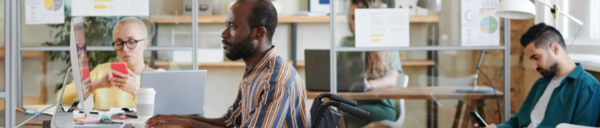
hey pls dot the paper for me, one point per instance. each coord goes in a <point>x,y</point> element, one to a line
<point>110,7</point>
<point>44,12</point>
<point>382,28</point>
<point>480,24</point>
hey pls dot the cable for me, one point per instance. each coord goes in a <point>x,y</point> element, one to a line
<point>40,112</point>
<point>494,89</point>
<point>575,37</point>
<point>59,101</point>
<point>61,95</point>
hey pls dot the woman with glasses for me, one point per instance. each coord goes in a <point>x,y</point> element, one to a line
<point>382,71</point>
<point>130,39</point>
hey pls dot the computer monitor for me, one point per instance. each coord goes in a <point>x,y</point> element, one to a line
<point>79,63</point>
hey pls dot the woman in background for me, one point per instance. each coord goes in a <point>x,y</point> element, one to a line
<point>382,71</point>
<point>130,39</point>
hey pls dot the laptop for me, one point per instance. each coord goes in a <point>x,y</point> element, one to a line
<point>177,92</point>
<point>350,70</point>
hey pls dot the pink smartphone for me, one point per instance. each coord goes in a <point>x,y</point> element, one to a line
<point>85,73</point>
<point>119,67</point>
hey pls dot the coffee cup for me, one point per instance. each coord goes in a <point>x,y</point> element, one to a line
<point>144,101</point>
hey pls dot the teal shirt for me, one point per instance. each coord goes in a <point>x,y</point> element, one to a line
<point>575,101</point>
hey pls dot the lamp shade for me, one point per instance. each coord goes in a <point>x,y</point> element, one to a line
<point>434,5</point>
<point>516,9</point>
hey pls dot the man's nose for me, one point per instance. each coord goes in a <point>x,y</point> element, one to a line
<point>225,34</point>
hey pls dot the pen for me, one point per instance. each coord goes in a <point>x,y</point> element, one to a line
<point>73,106</point>
<point>62,108</point>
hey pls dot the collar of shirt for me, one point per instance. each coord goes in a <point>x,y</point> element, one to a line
<point>575,73</point>
<point>268,56</point>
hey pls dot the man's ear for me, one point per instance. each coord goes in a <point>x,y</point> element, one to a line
<point>259,32</point>
<point>554,47</point>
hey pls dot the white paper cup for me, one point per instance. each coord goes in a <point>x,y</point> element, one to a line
<point>144,101</point>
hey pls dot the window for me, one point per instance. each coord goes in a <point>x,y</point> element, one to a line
<point>586,11</point>
<point>595,19</point>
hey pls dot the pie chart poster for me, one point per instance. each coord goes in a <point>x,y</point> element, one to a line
<point>479,24</point>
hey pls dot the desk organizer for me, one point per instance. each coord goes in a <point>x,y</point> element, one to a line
<point>63,120</point>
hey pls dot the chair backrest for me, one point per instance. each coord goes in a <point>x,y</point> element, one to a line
<point>400,106</point>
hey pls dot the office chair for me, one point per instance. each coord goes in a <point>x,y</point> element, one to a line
<point>400,107</point>
<point>323,116</point>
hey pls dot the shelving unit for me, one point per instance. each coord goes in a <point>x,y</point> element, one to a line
<point>25,54</point>
<point>44,58</point>
<point>300,64</point>
<point>281,19</point>
<point>293,20</point>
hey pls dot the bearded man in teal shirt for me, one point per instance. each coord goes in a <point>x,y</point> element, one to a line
<point>565,94</point>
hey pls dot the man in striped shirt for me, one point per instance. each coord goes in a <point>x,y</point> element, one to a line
<point>271,94</point>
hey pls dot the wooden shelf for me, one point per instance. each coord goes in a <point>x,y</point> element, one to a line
<point>165,64</point>
<point>282,19</point>
<point>25,54</point>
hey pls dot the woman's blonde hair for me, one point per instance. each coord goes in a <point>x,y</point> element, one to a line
<point>378,63</point>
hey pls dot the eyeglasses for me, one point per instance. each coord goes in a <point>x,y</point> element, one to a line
<point>81,50</point>
<point>131,44</point>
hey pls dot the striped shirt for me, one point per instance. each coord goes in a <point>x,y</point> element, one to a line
<point>271,95</point>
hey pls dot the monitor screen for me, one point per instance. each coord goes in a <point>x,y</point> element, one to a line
<point>79,63</point>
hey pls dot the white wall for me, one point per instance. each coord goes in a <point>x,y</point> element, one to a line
<point>223,83</point>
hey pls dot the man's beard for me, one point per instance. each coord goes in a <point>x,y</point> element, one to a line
<point>240,49</point>
<point>550,72</point>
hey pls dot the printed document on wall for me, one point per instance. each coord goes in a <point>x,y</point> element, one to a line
<point>44,12</point>
<point>480,24</point>
<point>110,7</point>
<point>382,28</point>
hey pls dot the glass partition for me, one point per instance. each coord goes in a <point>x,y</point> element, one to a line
<point>2,47</point>
<point>440,91</point>
<point>44,46</point>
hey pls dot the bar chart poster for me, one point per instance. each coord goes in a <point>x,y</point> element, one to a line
<point>480,24</point>
<point>44,12</point>
<point>110,7</point>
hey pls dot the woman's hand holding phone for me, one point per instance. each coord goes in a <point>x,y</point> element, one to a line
<point>126,82</point>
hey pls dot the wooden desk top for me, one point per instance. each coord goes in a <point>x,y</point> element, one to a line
<point>411,93</point>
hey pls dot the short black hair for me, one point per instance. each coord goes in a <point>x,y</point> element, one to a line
<point>542,35</point>
<point>263,13</point>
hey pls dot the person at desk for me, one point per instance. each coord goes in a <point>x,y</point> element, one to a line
<point>382,71</point>
<point>130,41</point>
<point>271,94</point>
<point>565,93</point>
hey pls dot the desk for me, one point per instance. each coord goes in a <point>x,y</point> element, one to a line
<point>468,100</point>
<point>22,117</point>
